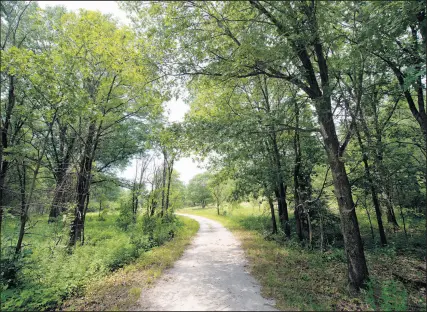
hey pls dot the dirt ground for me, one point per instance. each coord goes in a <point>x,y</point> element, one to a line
<point>210,276</point>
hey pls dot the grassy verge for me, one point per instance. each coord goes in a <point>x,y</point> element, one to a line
<point>302,279</point>
<point>47,274</point>
<point>121,289</point>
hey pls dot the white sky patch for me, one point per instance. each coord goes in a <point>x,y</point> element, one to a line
<point>175,109</point>
<point>105,7</point>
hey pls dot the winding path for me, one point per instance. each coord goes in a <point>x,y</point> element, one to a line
<point>210,276</point>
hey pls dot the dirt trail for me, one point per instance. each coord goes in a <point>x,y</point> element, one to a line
<point>210,276</point>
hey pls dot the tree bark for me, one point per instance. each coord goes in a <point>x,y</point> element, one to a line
<point>281,190</point>
<point>58,198</point>
<point>170,170</point>
<point>373,190</point>
<point>375,200</point>
<point>24,216</point>
<point>4,142</point>
<point>62,163</point>
<point>281,187</point>
<point>356,262</point>
<point>273,215</point>
<point>164,181</point>
<point>300,187</point>
<point>83,184</point>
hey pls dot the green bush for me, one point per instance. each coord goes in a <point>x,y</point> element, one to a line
<point>126,216</point>
<point>159,229</point>
<point>47,273</point>
<point>121,256</point>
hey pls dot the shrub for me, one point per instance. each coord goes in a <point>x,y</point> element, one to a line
<point>121,256</point>
<point>159,229</point>
<point>126,216</point>
<point>47,274</point>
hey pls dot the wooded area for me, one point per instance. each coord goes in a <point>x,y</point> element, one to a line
<point>313,111</point>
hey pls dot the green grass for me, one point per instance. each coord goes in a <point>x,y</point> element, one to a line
<point>120,290</point>
<point>299,278</point>
<point>48,274</point>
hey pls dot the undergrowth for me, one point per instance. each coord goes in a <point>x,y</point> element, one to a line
<point>303,278</point>
<point>47,273</point>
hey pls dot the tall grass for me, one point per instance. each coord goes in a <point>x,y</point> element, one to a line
<point>47,273</point>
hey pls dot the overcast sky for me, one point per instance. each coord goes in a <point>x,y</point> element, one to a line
<point>175,109</point>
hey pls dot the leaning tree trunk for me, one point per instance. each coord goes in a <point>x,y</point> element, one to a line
<point>281,187</point>
<point>356,262</point>
<point>357,268</point>
<point>25,202</point>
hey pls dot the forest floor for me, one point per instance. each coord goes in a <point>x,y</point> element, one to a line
<point>211,275</point>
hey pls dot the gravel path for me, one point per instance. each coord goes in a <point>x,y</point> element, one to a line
<point>210,276</point>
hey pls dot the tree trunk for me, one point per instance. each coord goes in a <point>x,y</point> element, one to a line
<point>170,169</point>
<point>62,164</point>
<point>4,142</point>
<point>25,203</point>
<point>298,203</point>
<point>83,184</point>
<point>376,202</point>
<point>321,232</point>
<point>281,191</point>
<point>373,189</point>
<point>164,182</point>
<point>23,216</point>
<point>273,215</point>
<point>300,214</point>
<point>391,216</point>
<point>84,217</point>
<point>356,262</point>
<point>368,214</point>
<point>403,220</point>
<point>58,198</point>
<point>283,208</point>
<point>357,268</point>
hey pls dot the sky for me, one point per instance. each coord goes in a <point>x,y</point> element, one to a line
<point>175,109</point>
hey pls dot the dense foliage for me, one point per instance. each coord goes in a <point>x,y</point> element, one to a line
<point>314,110</point>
